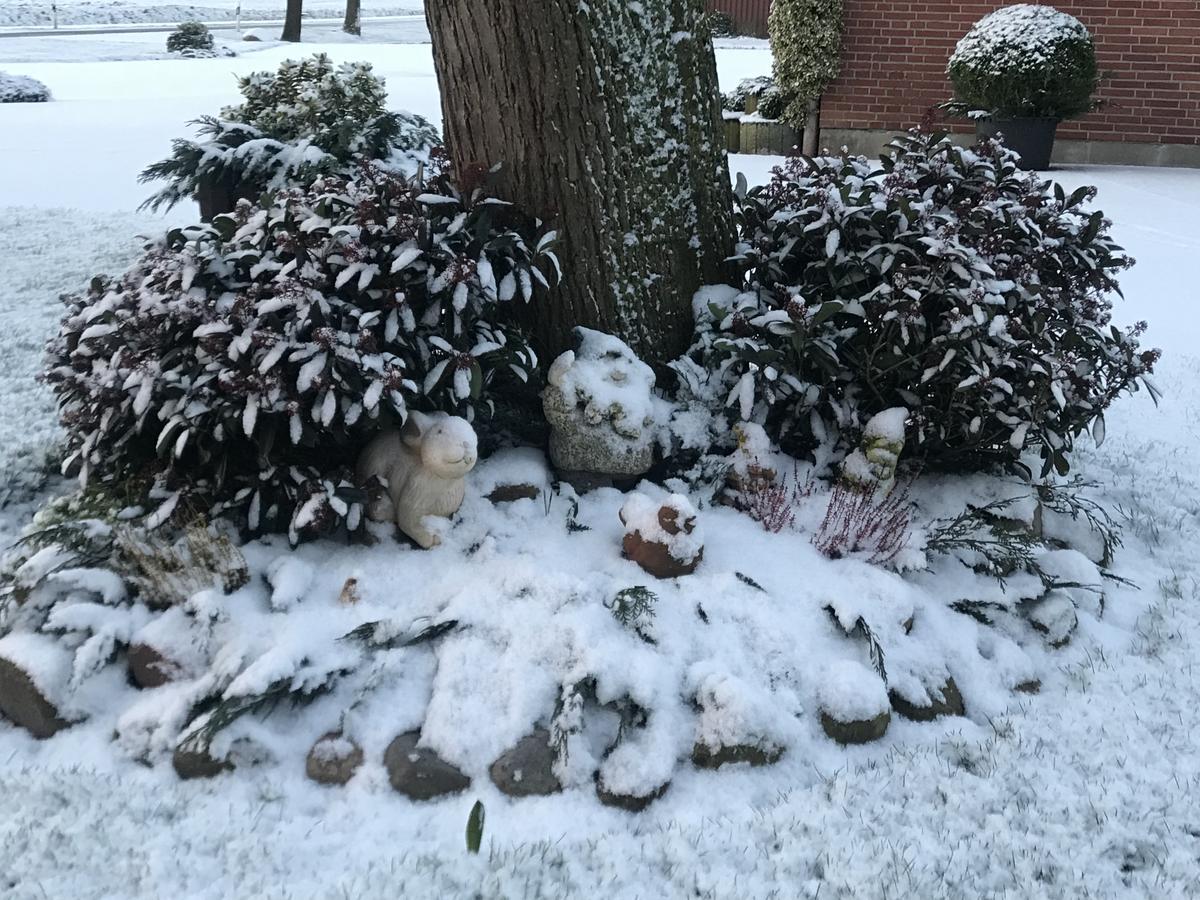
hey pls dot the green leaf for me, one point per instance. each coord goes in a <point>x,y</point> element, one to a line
<point>475,827</point>
<point>827,311</point>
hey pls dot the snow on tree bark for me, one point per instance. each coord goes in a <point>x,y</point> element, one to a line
<point>606,119</point>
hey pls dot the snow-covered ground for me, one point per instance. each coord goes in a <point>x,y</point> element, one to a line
<point>125,12</point>
<point>1091,788</point>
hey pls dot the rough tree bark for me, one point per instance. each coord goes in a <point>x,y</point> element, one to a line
<point>353,23</point>
<point>291,21</point>
<point>606,119</point>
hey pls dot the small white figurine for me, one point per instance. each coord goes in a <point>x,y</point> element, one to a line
<point>421,469</point>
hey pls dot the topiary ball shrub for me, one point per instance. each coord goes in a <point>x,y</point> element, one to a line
<point>244,364</point>
<point>190,36</point>
<point>22,89</point>
<point>942,280</point>
<point>1025,61</point>
<point>307,120</point>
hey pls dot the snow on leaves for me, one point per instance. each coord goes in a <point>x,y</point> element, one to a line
<point>943,281</point>
<point>243,362</point>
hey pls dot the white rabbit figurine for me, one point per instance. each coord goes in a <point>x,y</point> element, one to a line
<point>421,468</point>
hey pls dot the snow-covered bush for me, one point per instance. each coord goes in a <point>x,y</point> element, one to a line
<point>311,118</point>
<point>806,41</point>
<point>721,24</point>
<point>943,281</point>
<point>245,363</point>
<point>770,100</point>
<point>1025,60</point>
<point>190,36</point>
<point>22,89</point>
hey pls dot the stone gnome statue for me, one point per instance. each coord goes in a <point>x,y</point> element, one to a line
<point>600,403</point>
<point>418,471</point>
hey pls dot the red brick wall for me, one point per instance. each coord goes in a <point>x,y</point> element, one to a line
<point>895,52</point>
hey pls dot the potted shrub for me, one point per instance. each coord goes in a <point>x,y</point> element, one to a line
<point>1020,71</point>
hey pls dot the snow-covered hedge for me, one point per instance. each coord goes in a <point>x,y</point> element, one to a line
<point>1025,60</point>
<point>245,363</point>
<point>944,281</point>
<point>22,89</point>
<point>311,118</point>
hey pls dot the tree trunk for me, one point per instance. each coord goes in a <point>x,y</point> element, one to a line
<point>811,141</point>
<point>353,23</point>
<point>606,119</point>
<point>291,21</point>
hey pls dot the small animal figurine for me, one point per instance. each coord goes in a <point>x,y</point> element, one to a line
<point>419,471</point>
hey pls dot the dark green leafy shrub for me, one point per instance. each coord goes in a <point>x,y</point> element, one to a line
<point>190,36</point>
<point>1025,60</point>
<point>305,121</point>
<point>721,24</point>
<point>245,363</point>
<point>942,280</point>
<point>770,102</point>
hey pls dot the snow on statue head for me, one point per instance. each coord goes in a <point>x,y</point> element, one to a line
<point>418,472</point>
<point>601,407</point>
<point>873,465</point>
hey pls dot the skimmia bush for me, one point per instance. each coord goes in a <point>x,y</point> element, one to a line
<point>246,362</point>
<point>942,280</point>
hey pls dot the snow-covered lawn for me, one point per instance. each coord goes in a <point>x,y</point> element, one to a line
<point>1091,788</point>
<point>114,12</point>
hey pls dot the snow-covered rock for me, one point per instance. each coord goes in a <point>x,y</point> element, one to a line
<point>855,708</point>
<point>662,536</point>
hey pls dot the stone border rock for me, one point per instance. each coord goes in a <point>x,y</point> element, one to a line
<point>324,765</point>
<point>859,732</point>
<point>23,703</point>
<point>420,774</point>
<point>705,757</point>
<point>950,704</point>
<point>527,770</point>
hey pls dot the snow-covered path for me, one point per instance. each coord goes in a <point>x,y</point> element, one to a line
<point>1091,788</point>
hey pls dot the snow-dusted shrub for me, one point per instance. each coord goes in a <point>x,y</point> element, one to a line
<point>770,100</point>
<point>1025,60</point>
<point>721,24</point>
<point>22,89</point>
<point>311,118</point>
<point>944,281</point>
<point>245,363</point>
<point>191,36</point>
<point>806,41</point>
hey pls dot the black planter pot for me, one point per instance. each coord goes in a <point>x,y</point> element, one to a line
<point>1032,138</point>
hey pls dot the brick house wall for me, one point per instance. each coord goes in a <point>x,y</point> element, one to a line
<point>895,53</point>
